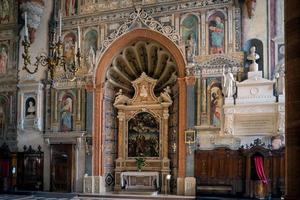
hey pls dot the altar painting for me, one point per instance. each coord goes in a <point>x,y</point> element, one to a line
<point>143,136</point>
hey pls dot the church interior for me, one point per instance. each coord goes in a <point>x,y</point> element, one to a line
<point>181,97</point>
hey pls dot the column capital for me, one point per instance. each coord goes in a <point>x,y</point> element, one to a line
<point>89,87</point>
<point>190,80</point>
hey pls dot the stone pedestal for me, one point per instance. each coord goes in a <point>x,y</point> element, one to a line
<point>190,186</point>
<point>93,184</point>
<point>180,186</point>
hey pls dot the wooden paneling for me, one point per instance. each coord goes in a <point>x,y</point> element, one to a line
<point>231,171</point>
<point>30,169</point>
<point>61,167</point>
<point>220,167</point>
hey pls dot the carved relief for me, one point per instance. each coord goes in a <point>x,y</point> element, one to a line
<point>143,56</point>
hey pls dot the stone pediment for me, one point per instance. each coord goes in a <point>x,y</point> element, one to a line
<point>214,65</point>
<point>144,93</point>
<point>144,90</point>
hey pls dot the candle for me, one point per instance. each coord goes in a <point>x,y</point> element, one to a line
<point>78,29</point>
<point>26,29</point>
<point>59,23</point>
<point>75,50</point>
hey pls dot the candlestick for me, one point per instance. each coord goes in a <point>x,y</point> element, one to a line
<point>26,29</point>
<point>78,29</point>
<point>59,23</point>
<point>75,50</point>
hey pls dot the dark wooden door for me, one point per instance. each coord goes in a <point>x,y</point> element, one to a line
<point>61,168</point>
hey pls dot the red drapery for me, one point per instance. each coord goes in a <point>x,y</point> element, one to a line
<point>4,168</point>
<point>259,166</point>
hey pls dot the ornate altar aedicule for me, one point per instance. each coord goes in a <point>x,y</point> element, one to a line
<point>143,130</point>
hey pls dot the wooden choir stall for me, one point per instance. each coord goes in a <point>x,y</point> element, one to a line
<point>254,171</point>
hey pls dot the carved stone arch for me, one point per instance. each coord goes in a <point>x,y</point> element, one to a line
<point>137,35</point>
<point>144,110</point>
<point>105,62</point>
<point>184,16</point>
<point>67,33</point>
<point>212,12</point>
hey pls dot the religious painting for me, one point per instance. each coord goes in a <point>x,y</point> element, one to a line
<point>215,102</point>
<point>70,7</point>
<point>90,48</point>
<point>66,111</point>
<point>69,48</point>
<point>4,11</point>
<point>3,58</point>
<point>143,136</point>
<point>190,136</point>
<point>30,107</point>
<point>189,31</point>
<point>216,33</point>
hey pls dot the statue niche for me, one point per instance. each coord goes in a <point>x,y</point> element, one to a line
<point>143,132</point>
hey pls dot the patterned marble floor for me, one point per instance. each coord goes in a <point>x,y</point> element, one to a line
<point>50,196</point>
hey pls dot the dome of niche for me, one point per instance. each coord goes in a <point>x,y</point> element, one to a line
<point>138,57</point>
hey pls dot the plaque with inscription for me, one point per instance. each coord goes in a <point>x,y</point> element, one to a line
<point>254,124</point>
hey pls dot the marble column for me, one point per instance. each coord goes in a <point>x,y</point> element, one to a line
<point>292,42</point>
<point>181,127</point>
<point>190,116</point>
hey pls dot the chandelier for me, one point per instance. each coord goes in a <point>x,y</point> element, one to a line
<point>55,58</point>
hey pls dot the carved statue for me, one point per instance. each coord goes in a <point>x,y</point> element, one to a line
<point>165,95</point>
<point>4,11</point>
<point>30,109</point>
<point>190,48</point>
<point>121,99</point>
<point>250,4</point>
<point>91,59</point>
<point>228,86</point>
<point>253,56</point>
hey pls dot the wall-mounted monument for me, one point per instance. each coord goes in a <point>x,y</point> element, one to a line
<point>143,132</point>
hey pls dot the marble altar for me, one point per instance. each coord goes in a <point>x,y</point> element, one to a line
<point>140,180</point>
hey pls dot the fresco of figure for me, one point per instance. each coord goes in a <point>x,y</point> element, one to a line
<point>70,7</point>
<point>216,35</point>
<point>4,11</point>
<point>190,48</point>
<point>90,48</point>
<point>66,114</point>
<point>189,27</point>
<point>216,105</point>
<point>3,59</point>
<point>69,47</point>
